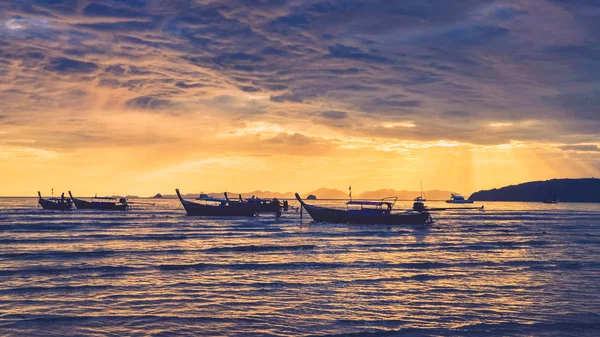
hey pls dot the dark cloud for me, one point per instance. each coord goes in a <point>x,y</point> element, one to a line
<point>464,64</point>
<point>581,105</point>
<point>296,21</point>
<point>456,114</point>
<point>122,26</point>
<point>249,89</point>
<point>506,13</point>
<point>67,66</point>
<point>184,85</point>
<point>583,148</point>
<point>115,70</point>
<point>149,103</point>
<point>96,9</point>
<point>576,3</point>
<point>335,115</point>
<point>347,71</point>
<point>382,102</point>
<point>287,98</point>
<point>354,53</point>
<point>471,35</point>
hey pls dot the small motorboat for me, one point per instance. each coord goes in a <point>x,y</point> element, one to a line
<point>367,213</point>
<point>55,204</point>
<point>205,197</point>
<point>421,198</point>
<point>215,207</point>
<point>551,199</point>
<point>102,203</point>
<point>458,199</point>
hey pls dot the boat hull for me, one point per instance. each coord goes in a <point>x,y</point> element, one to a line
<point>459,201</point>
<point>101,206</point>
<point>269,207</point>
<point>223,210</point>
<point>324,214</point>
<point>55,205</point>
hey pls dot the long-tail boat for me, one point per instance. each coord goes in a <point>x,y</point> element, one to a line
<point>218,208</point>
<point>55,204</point>
<point>102,204</point>
<point>259,205</point>
<point>368,213</point>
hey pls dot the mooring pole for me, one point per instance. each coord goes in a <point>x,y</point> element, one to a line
<point>301,212</point>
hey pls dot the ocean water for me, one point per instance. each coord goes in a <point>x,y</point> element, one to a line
<point>517,269</point>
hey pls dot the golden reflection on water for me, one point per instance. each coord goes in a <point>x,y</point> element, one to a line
<point>265,275</point>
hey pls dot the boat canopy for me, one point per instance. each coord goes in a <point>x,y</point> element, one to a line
<point>390,204</point>
<point>213,199</point>
<point>368,203</point>
<point>104,198</point>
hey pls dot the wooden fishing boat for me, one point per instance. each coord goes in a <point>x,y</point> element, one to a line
<point>368,213</point>
<point>259,205</point>
<point>218,208</point>
<point>55,204</point>
<point>101,204</point>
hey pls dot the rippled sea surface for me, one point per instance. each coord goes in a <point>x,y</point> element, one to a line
<point>520,269</point>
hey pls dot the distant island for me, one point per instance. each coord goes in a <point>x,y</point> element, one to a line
<point>326,193</point>
<point>566,190</point>
<point>157,196</point>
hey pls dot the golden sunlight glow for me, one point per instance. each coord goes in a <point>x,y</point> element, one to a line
<point>499,125</point>
<point>399,125</point>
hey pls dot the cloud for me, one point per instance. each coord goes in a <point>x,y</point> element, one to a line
<point>581,147</point>
<point>149,102</point>
<point>67,66</point>
<point>457,114</point>
<point>96,9</point>
<point>184,85</point>
<point>343,65</point>
<point>582,105</point>
<point>335,115</point>
<point>353,53</point>
<point>287,98</point>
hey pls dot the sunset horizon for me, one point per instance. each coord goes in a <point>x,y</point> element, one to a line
<point>299,168</point>
<point>272,192</point>
<point>120,98</point>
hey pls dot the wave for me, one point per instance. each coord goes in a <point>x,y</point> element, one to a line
<point>258,249</point>
<point>109,269</point>
<point>559,328</point>
<point>68,270</point>
<point>38,255</point>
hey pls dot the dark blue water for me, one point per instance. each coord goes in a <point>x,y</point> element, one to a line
<point>516,269</point>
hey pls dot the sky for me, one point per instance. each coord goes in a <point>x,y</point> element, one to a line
<point>145,96</point>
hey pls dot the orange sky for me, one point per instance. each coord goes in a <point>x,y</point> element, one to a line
<point>111,98</point>
<point>250,156</point>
